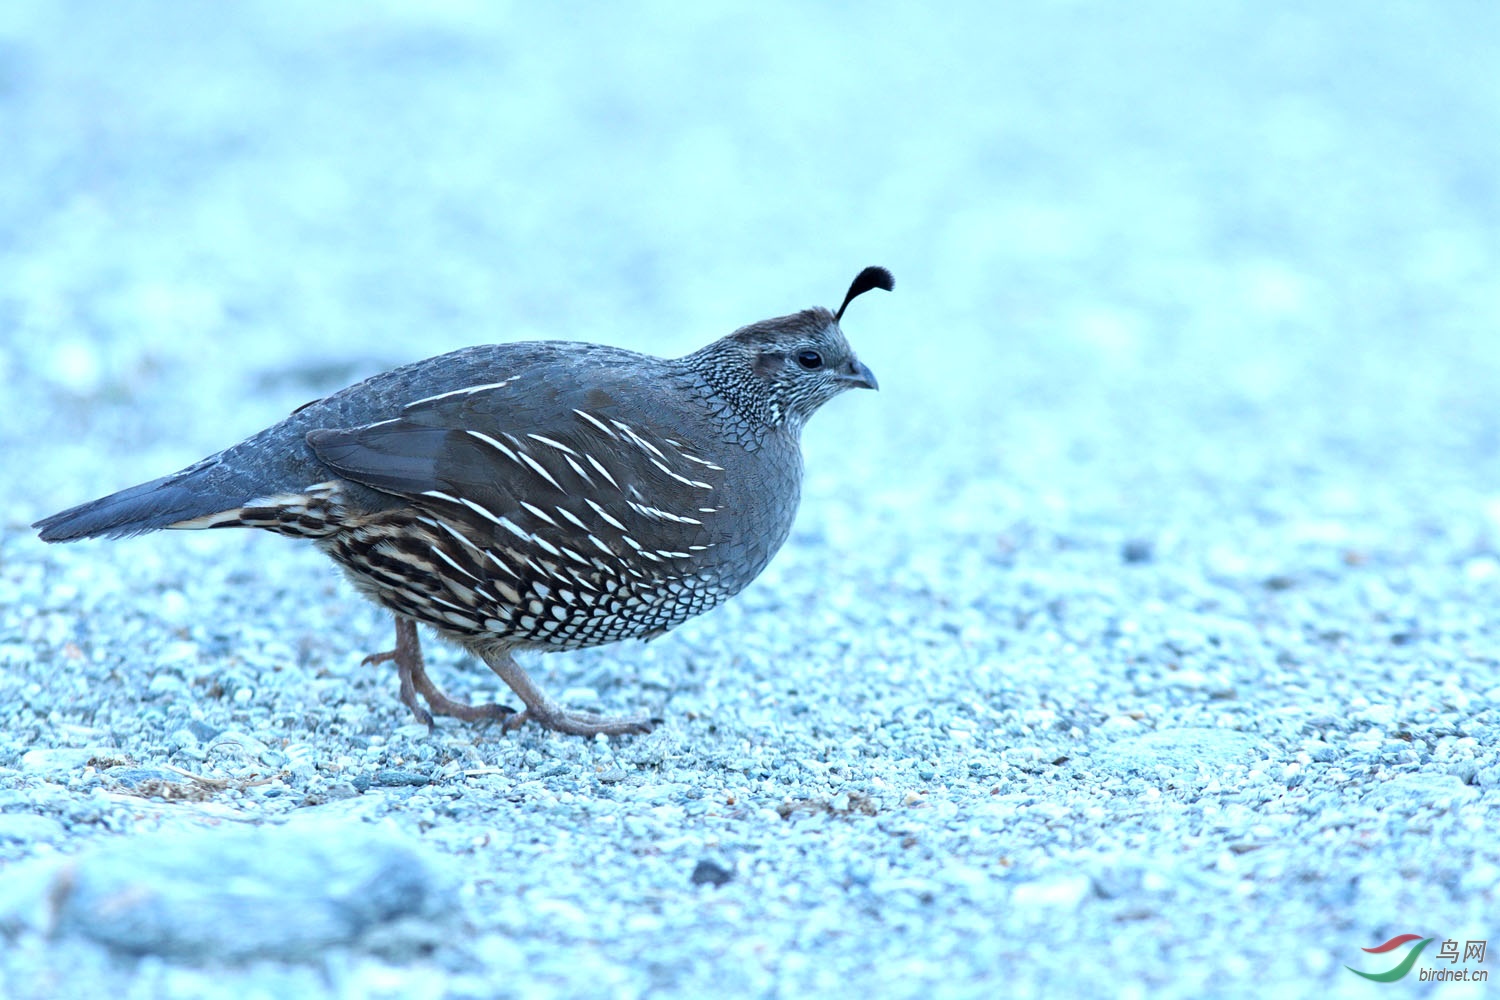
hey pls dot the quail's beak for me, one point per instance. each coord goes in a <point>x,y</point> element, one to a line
<point>860,377</point>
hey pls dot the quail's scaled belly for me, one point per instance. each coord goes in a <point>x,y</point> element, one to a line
<point>430,571</point>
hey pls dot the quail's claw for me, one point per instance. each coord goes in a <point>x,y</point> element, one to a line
<point>581,723</point>
<point>549,715</point>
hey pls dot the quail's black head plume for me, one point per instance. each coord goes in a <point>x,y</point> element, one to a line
<point>543,495</point>
<point>867,280</point>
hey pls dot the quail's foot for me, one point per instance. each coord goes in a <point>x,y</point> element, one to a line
<point>414,681</point>
<point>554,717</point>
<point>550,715</point>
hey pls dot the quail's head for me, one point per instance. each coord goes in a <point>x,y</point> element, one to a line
<point>779,371</point>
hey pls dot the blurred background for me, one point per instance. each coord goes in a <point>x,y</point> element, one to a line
<point>1230,250</point>
<point>1186,436</point>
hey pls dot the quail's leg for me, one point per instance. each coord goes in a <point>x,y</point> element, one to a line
<point>414,681</point>
<point>549,715</point>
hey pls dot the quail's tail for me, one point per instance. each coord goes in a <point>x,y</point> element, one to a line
<point>183,499</point>
<point>271,480</point>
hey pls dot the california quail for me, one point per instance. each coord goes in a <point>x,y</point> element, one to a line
<point>544,495</point>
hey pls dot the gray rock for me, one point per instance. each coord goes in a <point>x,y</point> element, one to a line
<point>24,828</point>
<point>55,760</point>
<point>138,777</point>
<point>708,872</point>
<point>234,893</point>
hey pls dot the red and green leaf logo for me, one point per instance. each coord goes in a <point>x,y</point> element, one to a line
<point>1401,968</point>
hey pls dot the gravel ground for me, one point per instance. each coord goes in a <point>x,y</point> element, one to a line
<point>1138,639</point>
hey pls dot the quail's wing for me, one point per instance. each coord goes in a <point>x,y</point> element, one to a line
<point>541,463</point>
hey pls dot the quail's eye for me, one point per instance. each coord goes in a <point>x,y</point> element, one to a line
<point>810,359</point>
